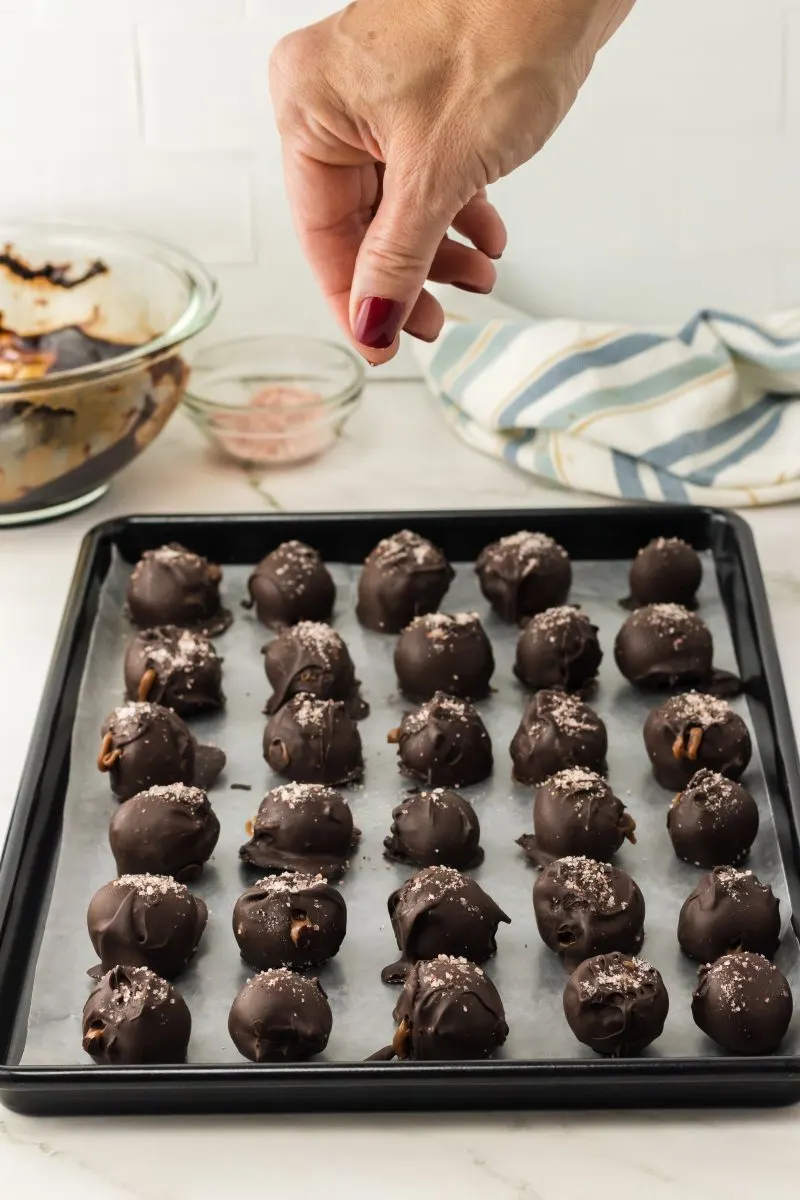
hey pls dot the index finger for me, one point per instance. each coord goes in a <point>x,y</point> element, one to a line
<point>332,206</point>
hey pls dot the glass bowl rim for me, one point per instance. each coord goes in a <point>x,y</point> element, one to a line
<point>201,405</point>
<point>201,306</point>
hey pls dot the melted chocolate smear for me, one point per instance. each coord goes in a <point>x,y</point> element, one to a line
<point>384,1055</point>
<point>724,684</point>
<point>215,625</point>
<point>396,972</point>
<point>275,862</point>
<point>533,851</point>
<point>56,274</point>
<point>209,764</point>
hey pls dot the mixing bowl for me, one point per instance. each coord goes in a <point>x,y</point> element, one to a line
<point>91,327</point>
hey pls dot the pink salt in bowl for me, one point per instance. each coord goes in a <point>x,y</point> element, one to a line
<point>274,401</point>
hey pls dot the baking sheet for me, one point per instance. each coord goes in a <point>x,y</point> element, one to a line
<point>530,979</point>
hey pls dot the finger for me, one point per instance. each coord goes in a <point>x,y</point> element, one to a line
<point>426,318</point>
<point>480,221</point>
<point>396,254</point>
<point>332,206</point>
<point>462,266</point>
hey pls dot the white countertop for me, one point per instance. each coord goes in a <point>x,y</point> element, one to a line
<point>396,454</point>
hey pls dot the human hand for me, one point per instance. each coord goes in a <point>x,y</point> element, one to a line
<point>395,116</point>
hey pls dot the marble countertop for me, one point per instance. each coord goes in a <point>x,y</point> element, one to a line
<point>396,453</point>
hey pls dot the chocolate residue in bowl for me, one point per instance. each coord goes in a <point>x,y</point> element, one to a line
<point>26,356</point>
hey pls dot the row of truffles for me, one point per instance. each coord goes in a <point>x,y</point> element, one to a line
<point>404,577</point>
<point>695,743</point>
<point>590,914</point>
<point>312,736</point>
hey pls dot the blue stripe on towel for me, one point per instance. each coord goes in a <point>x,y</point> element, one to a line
<point>499,343</point>
<point>672,488</point>
<point>456,342</point>
<point>627,472</point>
<point>609,355</point>
<point>698,441</point>
<point>608,399</point>
<point>715,314</point>
<point>708,474</point>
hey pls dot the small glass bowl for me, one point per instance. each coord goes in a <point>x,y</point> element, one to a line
<point>273,401</point>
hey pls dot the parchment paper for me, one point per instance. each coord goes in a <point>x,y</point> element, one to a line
<point>530,979</point>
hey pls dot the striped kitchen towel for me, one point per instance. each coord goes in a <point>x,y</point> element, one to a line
<point>707,415</point>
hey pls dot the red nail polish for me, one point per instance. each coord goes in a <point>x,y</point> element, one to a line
<point>467,287</point>
<point>377,322</point>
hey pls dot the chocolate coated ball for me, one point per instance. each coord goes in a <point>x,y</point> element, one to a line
<point>712,821</point>
<point>523,574</point>
<point>616,1004</point>
<point>404,577</point>
<point>279,1016</point>
<point>743,1003</point>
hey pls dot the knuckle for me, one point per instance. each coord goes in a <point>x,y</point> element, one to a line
<point>395,258</point>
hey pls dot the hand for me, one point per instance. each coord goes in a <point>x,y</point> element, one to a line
<point>395,115</point>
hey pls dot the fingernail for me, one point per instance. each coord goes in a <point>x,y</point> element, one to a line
<point>467,287</point>
<point>495,256</point>
<point>377,322</point>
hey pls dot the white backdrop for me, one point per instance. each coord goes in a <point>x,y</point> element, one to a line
<point>674,184</point>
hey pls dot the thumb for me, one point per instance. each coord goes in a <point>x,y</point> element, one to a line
<point>396,255</point>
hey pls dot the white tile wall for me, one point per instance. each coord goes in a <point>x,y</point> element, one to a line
<point>674,184</point>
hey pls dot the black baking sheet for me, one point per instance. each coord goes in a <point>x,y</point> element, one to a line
<point>529,978</point>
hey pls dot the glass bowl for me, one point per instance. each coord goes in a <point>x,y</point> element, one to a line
<point>274,401</point>
<point>91,327</point>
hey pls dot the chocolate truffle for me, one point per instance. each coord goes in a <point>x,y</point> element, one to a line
<point>177,668</point>
<point>448,1010</point>
<point>440,911</point>
<point>145,745</point>
<point>444,743</point>
<point>444,653</point>
<point>168,830</point>
<point>437,828</point>
<point>314,741</point>
<point>615,1004</point>
<point>557,731</point>
<point>576,812</point>
<point>665,571</point>
<point>289,920</point>
<point>729,910</point>
<point>279,1016</point>
<point>712,821</point>
<point>302,827</point>
<point>133,1016</point>
<point>146,921</point>
<point>403,577</point>
<point>584,907</point>
<point>523,574</point>
<point>693,731</point>
<point>311,657</point>
<point>664,646</point>
<point>558,649</point>
<point>743,1003</point>
<point>291,584</point>
<point>173,586</point>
